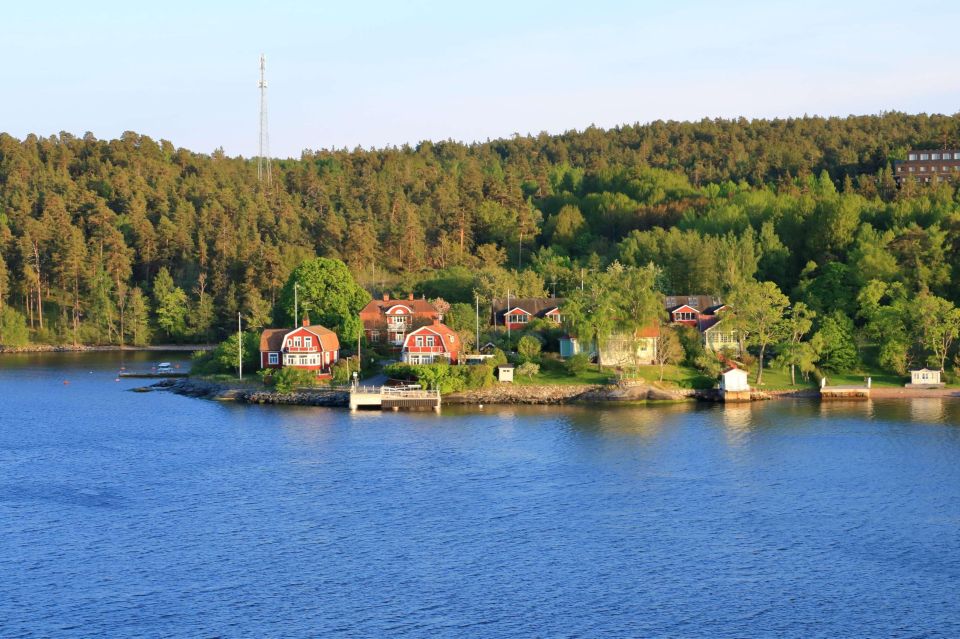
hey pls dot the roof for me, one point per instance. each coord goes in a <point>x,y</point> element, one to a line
<point>731,368</point>
<point>705,324</point>
<point>650,330</point>
<point>271,339</point>
<point>375,308</point>
<point>534,305</point>
<point>442,330</point>
<point>699,301</point>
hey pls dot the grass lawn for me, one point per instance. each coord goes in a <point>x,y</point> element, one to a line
<point>552,371</point>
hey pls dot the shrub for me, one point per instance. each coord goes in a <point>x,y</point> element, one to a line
<point>499,358</point>
<point>223,359</point>
<point>529,348</point>
<point>13,328</point>
<point>528,369</point>
<point>577,364</point>
<point>343,370</point>
<point>480,376</point>
<point>288,379</point>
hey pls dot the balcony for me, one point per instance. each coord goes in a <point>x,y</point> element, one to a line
<point>426,349</point>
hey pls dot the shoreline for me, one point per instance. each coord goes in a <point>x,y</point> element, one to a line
<point>82,348</point>
<point>545,395</point>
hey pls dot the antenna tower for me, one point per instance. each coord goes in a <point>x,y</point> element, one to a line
<point>263,160</point>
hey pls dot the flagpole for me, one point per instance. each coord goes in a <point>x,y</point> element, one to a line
<point>239,346</point>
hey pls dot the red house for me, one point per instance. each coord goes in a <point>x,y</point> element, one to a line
<point>312,348</point>
<point>691,309</point>
<point>390,321</point>
<point>429,344</point>
<point>518,312</point>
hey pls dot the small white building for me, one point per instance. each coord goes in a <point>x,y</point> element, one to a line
<point>924,378</point>
<point>505,373</point>
<point>734,380</point>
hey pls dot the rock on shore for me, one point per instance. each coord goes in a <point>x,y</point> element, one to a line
<point>204,389</point>
<point>564,394</point>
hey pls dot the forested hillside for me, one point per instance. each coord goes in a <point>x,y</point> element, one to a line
<point>133,240</point>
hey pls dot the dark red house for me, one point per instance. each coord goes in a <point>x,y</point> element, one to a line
<point>307,347</point>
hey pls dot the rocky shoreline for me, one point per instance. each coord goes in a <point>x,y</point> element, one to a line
<point>82,348</point>
<point>552,395</point>
<point>501,394</point>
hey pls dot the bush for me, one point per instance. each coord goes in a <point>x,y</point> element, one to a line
<point>447,378</point>
<point>289,379</point>
<point>499,358</point>
<point>528,369</point>
<point>343,370</point>
<point>13,328</point>
<point>223,359</point>
<point>577,364</point>
<point>529,348</point>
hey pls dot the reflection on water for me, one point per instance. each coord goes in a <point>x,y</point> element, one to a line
<point>155,515</point>
<point>931,410</point>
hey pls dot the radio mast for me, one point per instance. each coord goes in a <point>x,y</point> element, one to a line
<point>263,160</point>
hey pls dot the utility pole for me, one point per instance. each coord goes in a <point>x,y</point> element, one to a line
<point>263,160</point>
<point>581,279</point>
<point>239,345</point>
<point>359,333</point>
<point>506,316</point>
<point>296,304</point>
<point>477,297</point>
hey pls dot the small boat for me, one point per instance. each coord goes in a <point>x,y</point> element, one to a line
<point>164,367</point>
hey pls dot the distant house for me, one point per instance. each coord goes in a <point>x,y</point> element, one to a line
<point>430,344</point>
<point>928,166</point>
<point>307,347</point>
<point>622,350</point>
<point>705,313</point>
<point>518,312</point>
<point>687,309</point>
<point>389,321</point>
<point>570,346</point>
<point>925,378</point>
<point>717,334</point>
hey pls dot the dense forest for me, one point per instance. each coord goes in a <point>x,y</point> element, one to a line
<point>133,240</point>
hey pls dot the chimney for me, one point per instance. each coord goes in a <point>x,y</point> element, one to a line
<point>386,297</point>
<point>436,321</point>
<point>306,320</point>
<point>410,297</point>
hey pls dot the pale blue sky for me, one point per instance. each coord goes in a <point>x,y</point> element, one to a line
<point>382,73</point>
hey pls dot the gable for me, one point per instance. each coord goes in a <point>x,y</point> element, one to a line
<point>399,309</point>
<point>516,310</point>
<point>686,308</point>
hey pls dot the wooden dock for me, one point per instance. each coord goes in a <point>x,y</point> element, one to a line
<point>849,391</point>
<point>152,374</point>
<point>386,397</point>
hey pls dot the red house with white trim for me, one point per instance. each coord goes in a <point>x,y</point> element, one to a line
<point>387,320</point>
<point>518,312</point>
<point>430,344</point>
<point>312,348</point>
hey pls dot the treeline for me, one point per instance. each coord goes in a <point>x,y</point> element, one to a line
<point>133,240</point>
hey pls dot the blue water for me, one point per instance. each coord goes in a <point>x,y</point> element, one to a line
<point>153,515</point>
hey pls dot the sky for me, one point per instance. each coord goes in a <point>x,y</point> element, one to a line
<point>375,74</point>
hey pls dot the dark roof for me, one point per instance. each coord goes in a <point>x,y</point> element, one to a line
<point>699,302</point>
<point>536,306</point>
<point>271,339</point>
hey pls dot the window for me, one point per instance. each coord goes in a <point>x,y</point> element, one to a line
<point>899,169</point>
<point>924,156</point>
<point>923,169</point>
<point>453,339</point>
<point>419,340</point>
<point>374,336</point>
<point>911,169</point>
<point>296,342</point>
<point>912,156</point>
<point>518,318</point>
<point>945,168</point>
<point>956,156</point>
<point>308,342</point>
<point>935,156</point>
<point>273,359</point>
<point>430,340</point>
<point>685,316</point>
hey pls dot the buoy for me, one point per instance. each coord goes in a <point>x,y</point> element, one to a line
<point>117,379</point>
<point>66,381</point>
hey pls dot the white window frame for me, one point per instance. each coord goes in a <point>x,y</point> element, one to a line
<point>419,340</point>
<point>273,359</point>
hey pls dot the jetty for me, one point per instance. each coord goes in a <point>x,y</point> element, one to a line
<point>153,374</point>
<point>847,391</point>
<point>387,397</point>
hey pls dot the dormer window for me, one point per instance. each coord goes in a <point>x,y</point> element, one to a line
<point>296,342</point>
<point>308,342</point>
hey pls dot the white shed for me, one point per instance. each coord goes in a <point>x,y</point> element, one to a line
<point>924,378</point>
<point>505,373</point>
<point>734,380</point>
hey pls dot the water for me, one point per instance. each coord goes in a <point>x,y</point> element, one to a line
<point>125,514</point>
